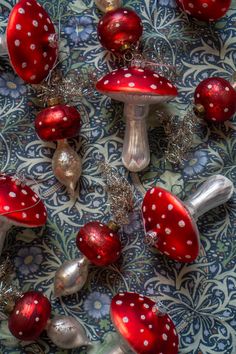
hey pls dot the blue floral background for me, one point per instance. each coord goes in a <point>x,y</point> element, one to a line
<point>200,297</point>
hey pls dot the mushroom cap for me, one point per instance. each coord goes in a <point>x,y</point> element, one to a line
<point>58,122</point>
<point>20,204</point>
<point>136,85</point>
<point>118,29</point>
<point>30,315</point>
<point>142,328</point>
<point>99,243</point>
<point>31,42</point>
<point>205,10</point>
<point>218,98</point>
<point>176,230</point>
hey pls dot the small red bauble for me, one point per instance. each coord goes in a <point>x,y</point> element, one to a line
<point>218,99</point>
<point>30,316</point>
<point>58,122</point>
<point>99,243</point>
<point>119,29</point>
<point>205,10</point>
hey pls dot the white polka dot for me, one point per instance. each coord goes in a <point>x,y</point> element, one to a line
<point>146,306</point>
<point>65,119</point>
<point>198,95</point>
<point>80,239</point>
<point>226,110</point>
<point>18,27</point>
<point>23,191</point>
<point>118,81</point>
<point>167,327</point>
<point>45,54</point>
<point>20,333</point>
<point>46,67</point>
<point>174,330</point>
<point>227,89</point>
<point>117,24</point>
<point>154,207</point>
<point>32,46</point>
<point>164,243</point>
<point>24,65</point>
<point>189,242</point>
<point>163,216</point>
<point>37,216</point>
<point>169,84</point>
<point>32,77</point>
<point>164,336</point>
<point>144,209</point>
<point>167,253</point>
<point>149,219</point>
<point>158,226</point>
<point>156,75</point>
<point>125,12</point>
<point>48,20</point>
<point>132,304</point>
<point>34,199</point>
<point>205,5</point>
<point>191,5</point>
<point>28,34</point>
<point>40,15</point>
<point>150,326</point>
<point>181,223</point>
<point>35,23</point>
<point>141,330</point>
<point>154,87</point>
<point>145,343</point>
<point>44,213</point>
<point>188,256</point>
<point>98,256</point>
<point>22,203</point>
<point>128,75</point>
<point>173,248</point>
<point>45,28</point>
<point>53,130</point>
<point>131,84</point>
<point>12,194</point>
<point>167,231</point>
<point>40,123</point>
<point>106,82</point>
<point>17,42</point>
<point>209,86</point>
<point>160,194</point>
<point>213,119</point>
<point>111,234</point>
<point>17,312</point>
<point>170,207</point>
<point>21,11</point>
<point>36,319</point>
<point>36,302</point>
<point>24,215</point>
<point>119,302</point>
<point>140,70</point>
<point>143,317</point>
<point>174,344</point>
<point>6,207</point>
<point>125,319</point>
<point>211,105</point>
<point>152,190</point>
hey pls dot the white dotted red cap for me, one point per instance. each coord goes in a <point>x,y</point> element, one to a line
<point>20,204</point>
<point>176,231</point>
<point>30,35</point>
<point>141,327</point>
<point>135,84</point>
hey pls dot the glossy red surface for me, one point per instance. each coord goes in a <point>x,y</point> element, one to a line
<point>58,122</point>
<point>30,316</point>
<point>218,98</point>
<point>177,233</point>
<point>205,10</point>
<point>28,31</point>
<point>145,332</point>
<point>20,204</point>
<point>99,243</point>
<point>134,80</point>
<point>119,29</point>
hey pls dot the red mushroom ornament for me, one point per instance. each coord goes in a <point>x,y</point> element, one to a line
<point>58,123</point>
<point>119,29</point>
<point>137,88</point>
<point>215,100</point>
<point>205,10</point>
<point>142,326</point>
<point>100,245</point>
<point>30,41</point>
<point>19,205</point>
<point>170,224</point>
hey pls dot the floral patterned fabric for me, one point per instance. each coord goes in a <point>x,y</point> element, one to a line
<point>200,296</point>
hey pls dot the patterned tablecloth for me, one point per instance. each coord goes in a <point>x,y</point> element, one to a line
<point>201,294</point>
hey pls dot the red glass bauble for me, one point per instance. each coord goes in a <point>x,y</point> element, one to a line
<point>218,98</point>
<point>119,29</point>
<point>99,243</point>
<point>58,122</point>
<point>205,10</point>
<point>30,316</point>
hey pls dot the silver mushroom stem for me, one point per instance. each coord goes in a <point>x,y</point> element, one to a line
<point>3,45</point>
<point>4,227</point>
<point>136,153</point>
<point>215,191</point>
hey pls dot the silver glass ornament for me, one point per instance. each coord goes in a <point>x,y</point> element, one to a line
<point>66,332</point>
<point>71,276</point>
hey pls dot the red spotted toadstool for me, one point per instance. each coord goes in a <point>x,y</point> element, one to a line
<point>142,326</point>
<point>170,224</point>
<point>58,123</point>
<point>137,88</point>
<point>19,206</point>
<point>30,41</point>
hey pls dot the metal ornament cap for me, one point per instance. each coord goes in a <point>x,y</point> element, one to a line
<point>31,41</point>
<point>30,316</point>
<point>142,328</point>
<point>66,332</point>
<point>100,244</point>
<point>206,10</point>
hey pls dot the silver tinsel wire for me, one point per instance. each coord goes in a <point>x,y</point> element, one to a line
<point>120,194</point>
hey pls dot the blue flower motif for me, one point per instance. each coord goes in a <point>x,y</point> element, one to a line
<point>28,259</point>
<point>97,305</point>
<point>170,3</point>
<point>134,223</point>
<point>197,163</point>
<point>79,29</point>
<point>11,85</point>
